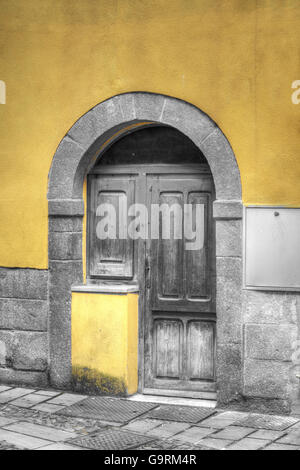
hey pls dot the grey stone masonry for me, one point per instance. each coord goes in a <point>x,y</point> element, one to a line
<point>23,283</point>
<point>24,350</point>
<point>63,274</point>
<point>23,326</point>
<point>23,314</point>
<point>271,347</point>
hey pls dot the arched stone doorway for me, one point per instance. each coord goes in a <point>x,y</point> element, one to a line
<point>76,155</point>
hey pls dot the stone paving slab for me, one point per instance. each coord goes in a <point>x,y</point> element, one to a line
<point>216,444</point>
<point>272,422</point>
<point>67,399</point>
<point>13,394</point>
<point>221,420</point>
<point>70,424</point>
<point>48,408</point>
<point>21,440</point>
<point>276,446</point>
<point>249,444</point>
<point>142,425</point>
<point>28,401</point>
<point>60,446</point>
<point>233,433</point>
<point>194,434</point>
<point>43,432</point>
<point>267,434</point>
<point>292,438</point>
<point>48,393</point>
<point>3,388</point>
<point>168,429</point>
<point>5,421</point>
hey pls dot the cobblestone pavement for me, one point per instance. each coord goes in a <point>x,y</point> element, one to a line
<point>53,420</point>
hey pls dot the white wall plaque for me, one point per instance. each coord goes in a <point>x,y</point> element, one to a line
<point>272,248</point>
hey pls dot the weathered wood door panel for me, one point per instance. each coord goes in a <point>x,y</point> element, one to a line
<point>110,251</point>
<point>180,337</point>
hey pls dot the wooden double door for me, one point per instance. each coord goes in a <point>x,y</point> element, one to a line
<point>169,251</point>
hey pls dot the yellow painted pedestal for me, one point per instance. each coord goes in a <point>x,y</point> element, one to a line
<point>105,342</point>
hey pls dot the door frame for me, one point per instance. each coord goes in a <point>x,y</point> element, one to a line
<point>143,171</point>
<point>76,154</point>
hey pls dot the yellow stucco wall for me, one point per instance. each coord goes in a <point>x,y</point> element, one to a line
<point>235,59</point>
<point>105,342</point>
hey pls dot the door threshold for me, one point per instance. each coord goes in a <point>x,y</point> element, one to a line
<point>173,400</point>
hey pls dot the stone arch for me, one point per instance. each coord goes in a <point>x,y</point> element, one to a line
<point>77,153</point>
<point>88,135</point>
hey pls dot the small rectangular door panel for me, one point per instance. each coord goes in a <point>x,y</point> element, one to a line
<point>197,257</point>
<point>111,251</point>
<point>201,350</point>
<point>168,339</point>
<point>170,253</point>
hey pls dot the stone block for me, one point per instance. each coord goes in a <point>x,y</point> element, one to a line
<point>229,299</point>
<point>266,379</point>
<point>229,372</point>
<point>65,245</point>
<point>6,348</point>
<point>108,115</point>
<point>270,341</point>
<point>60,343</point>
<point>269,307</point>
<point>229,238</point>
<point>86,130</point>
<point>66,207</point>
<point>223,166</point>
<point>63,169</point>
<point>227,209</point>
<point>63,274</point>
<point>30,351</point>
<point>23,314</point>
<point>100,119</point>
<point>65,224</point>
<point>127,105</point>
<point>30,378</point>
<point>23,283</point>
<point>148,106</point>
<point>24,350</point>
<point>189,120</point>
